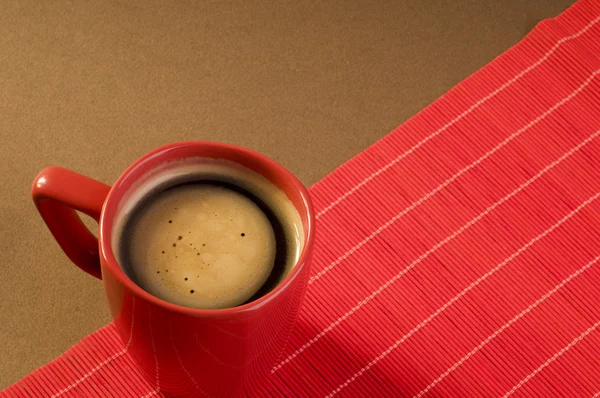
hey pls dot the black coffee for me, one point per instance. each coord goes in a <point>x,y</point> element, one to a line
<point>209,243</point>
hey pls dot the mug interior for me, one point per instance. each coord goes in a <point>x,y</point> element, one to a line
<point>126,191</point>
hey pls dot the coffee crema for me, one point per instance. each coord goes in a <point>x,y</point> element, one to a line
<point>208,234</point>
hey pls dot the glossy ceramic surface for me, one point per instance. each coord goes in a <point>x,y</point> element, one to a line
<point>186,352</point>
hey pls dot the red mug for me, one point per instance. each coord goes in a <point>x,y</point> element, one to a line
<point>182,351</point>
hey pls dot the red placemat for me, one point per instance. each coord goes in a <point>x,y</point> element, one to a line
<point>458,256</point>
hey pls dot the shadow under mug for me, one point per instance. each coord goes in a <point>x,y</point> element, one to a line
<point>181,351</point>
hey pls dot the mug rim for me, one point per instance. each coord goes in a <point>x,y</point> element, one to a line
<point>112,265</point>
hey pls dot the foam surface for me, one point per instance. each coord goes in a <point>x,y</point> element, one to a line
<point>204,242</point>
<point>201,245</point>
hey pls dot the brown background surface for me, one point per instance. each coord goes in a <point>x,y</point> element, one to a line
<point>92,86</point>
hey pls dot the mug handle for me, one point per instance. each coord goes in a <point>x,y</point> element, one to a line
<point>57,193</point>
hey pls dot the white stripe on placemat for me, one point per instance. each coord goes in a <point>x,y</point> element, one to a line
<point>457,118</point>
<point>433,249</point>
<point>507,325</point>
<point>553,358</point>
<point>453,178</point>
<point>460,295</point>
<point>103,363</point>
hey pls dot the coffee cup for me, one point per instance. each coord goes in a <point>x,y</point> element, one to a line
<point>182,348</point>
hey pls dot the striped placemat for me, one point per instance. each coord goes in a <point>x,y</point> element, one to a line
<point>458,256</point>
